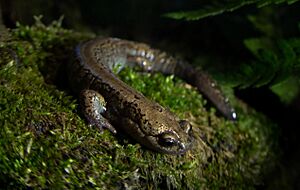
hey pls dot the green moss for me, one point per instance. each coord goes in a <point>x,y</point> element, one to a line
<point>45,143</point>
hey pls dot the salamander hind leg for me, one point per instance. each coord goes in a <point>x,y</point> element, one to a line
<point>93,106</point>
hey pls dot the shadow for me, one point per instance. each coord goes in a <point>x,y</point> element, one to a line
<point>287,172</point>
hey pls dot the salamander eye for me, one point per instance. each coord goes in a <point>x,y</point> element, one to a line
<point>167,140</point>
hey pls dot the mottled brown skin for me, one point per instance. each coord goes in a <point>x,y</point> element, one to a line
<point>146,121</point>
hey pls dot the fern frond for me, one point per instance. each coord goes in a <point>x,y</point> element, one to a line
<point>274,63</point>
<point>219,7</point>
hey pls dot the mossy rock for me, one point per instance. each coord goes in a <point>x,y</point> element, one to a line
<point>46,143</point>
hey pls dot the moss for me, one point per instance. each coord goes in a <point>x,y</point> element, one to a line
<point>45,143</point>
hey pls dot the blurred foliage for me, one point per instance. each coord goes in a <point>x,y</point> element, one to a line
<point>216,7</point>
<point>275,61</point>
<point>287,90</point>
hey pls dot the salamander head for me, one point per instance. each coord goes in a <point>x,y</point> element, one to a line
<point>176,141</point>
<point>163,133</point>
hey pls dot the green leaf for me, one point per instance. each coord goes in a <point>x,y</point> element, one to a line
<point>218,7</point>
<point>287,90</point>
<point>273,62</point>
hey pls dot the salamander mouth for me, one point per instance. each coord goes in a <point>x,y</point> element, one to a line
<point>180,148</point>
<point>184,147</point>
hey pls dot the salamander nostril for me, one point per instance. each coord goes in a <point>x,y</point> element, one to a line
<point>185,125</point>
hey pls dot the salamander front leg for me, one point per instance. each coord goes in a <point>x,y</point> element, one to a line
<point>93,106</point>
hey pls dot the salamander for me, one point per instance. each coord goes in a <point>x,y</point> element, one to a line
<point>107,102</point>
